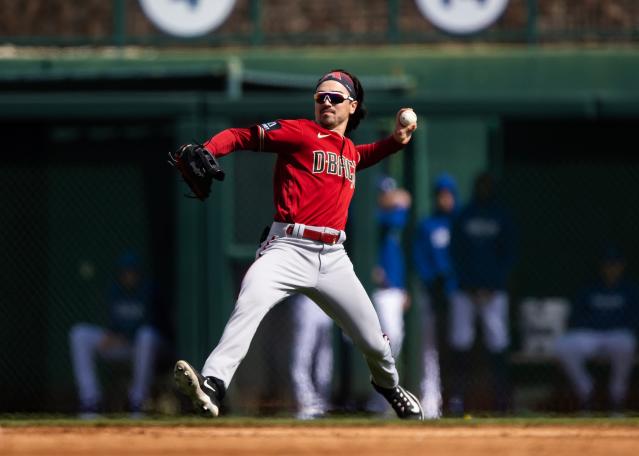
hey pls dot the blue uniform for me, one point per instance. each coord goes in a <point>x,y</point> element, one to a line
<point>431,249</point>
<point>603,322</point>
<point>483,246</point>
<point>391,255</point>
<point>602,308</point>
<point>431,256</point>
<point>130,309</point>
<point>483,253</point>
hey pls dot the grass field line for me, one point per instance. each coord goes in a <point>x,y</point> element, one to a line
<point>115,421</point>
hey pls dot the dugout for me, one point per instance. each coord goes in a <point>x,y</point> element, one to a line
<point>83,173</point>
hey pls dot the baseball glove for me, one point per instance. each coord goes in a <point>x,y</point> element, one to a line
<point>198,169</point>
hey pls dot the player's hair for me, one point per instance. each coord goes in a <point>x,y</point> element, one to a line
<point>360,111</point>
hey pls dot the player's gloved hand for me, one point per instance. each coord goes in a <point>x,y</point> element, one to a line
<point>403,133</point>
<point>198,168</point>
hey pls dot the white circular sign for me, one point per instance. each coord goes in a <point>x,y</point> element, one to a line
<point>462,16</point>
<point>187,18</point>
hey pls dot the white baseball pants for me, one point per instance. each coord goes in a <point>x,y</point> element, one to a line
<point>389,304</point>
<point>287,265</point>
<point>493,312</point>
<point>85,342</point>
<point>577,346</point>
<point>312,357</point>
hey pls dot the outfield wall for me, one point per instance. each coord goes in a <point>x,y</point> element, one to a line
<point>91,132</point>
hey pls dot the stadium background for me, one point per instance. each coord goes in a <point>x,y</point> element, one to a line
<point>92,96</point>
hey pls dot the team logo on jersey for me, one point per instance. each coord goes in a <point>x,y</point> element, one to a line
<point>270,126</point>
<point>334,164</point>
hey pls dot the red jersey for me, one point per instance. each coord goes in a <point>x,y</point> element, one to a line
<point>314,177</point>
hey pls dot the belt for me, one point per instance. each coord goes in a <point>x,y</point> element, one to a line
<point>320,236</point>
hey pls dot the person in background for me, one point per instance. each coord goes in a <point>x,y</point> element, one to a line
<point>431,256</point>
<point>389,274</point>
<point>130,335</point>
<point>312,358</point>
<point>602,325</point>
<point>483,245</point>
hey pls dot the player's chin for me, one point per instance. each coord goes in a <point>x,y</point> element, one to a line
<point>327,121</point>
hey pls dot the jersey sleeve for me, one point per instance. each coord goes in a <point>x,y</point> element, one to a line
<point>279,135</point>
<point>369,154</point>
<point>276,136</point>
<point>230,140</point>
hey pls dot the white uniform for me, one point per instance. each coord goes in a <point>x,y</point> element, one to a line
<point>312,358</point>
<point>389,303</point>
<point>85,344</point>
<point>313,184</point>
<point>580,345</point>
<point>289,264</point>
<point>493,313</point>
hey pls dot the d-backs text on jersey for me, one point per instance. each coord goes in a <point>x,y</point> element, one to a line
<point>334,164</point>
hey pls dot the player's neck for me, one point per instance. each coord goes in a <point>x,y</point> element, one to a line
<point>340,129</point>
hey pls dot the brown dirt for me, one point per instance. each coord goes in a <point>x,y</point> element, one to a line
<point>326,441</point>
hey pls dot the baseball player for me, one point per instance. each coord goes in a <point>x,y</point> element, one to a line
<point>129,336</point>
<point>483,253</point>
<point>389,297</point>
<point>602,324</point>
<point>314,182</point>
<point>431,255</point>
<point>312,358</point>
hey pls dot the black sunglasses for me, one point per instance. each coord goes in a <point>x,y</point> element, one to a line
<point>333,97</point>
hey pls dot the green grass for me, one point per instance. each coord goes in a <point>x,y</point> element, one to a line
<point>346,421</point>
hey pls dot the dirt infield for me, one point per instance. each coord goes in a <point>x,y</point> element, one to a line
<point>326,440</point>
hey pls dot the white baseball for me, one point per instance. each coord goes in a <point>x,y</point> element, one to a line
<point>407,117</point>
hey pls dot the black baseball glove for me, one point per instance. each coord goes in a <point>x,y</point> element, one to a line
<point>198,169</point>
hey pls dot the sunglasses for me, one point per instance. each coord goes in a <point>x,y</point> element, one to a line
<point>332,97</point>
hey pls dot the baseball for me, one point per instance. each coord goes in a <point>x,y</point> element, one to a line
<point>407,117</point>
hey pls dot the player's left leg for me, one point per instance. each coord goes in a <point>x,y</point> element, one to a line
<point>306,336</point>
<point>619,346</point>
<point>389,304</point>
<point>323,365</point>
<point>494,316</point>
<point>145,349</point>
<point>342,296</point>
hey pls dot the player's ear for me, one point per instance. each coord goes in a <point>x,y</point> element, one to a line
<point>354,106</point>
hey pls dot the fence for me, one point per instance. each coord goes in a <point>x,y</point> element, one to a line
<point>84,178</point>
<point>258,23</point>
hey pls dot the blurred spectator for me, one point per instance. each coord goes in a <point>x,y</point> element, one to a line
<point>312,358</point>
<point>602,324</point>
<point>483,253</point>
<point>431,255</point>
<point>389,274</point>
<point>130,335</point>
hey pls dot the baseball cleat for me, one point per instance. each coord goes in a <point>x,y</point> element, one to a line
<point>405,404</point>
<point>205,392</point>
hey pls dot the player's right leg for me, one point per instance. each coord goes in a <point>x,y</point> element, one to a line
<point>146,346</point>
<point>573,349</point>
<point>278,273</point>
<point>84,340</point>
